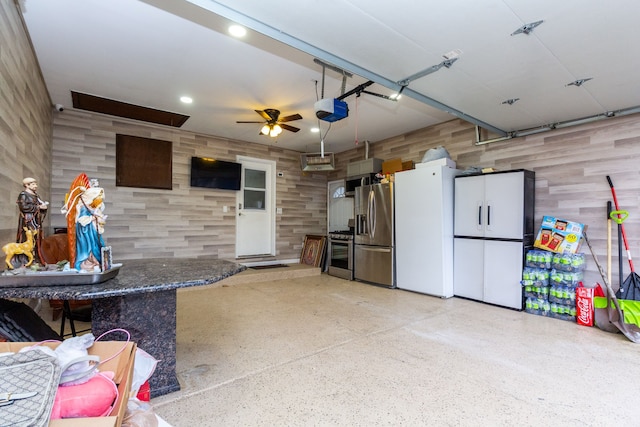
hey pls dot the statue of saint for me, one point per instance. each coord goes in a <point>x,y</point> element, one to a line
<point>32,213</point>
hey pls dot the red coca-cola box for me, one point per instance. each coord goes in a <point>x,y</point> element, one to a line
<point>584,306</point>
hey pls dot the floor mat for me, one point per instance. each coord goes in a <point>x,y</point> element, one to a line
<point>262,267</point>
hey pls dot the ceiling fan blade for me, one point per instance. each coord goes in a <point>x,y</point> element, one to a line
<point>290,118</point>
<point>242,121</point>
<point>263,114</point>
<point>289,128</point>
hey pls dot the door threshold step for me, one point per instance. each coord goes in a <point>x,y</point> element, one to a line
<point>288,271</point>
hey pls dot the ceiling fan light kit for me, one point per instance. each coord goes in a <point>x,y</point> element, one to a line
<point>271,130</point>
<point>274,124</point>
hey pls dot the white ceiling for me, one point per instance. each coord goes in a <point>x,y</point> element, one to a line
<point>151,52</point>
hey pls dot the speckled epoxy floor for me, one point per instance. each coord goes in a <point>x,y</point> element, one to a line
<point>322,351</point>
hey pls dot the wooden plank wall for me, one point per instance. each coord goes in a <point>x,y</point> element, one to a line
<point>571,165</point>
<point>25,120</point>
<point>184,221</point>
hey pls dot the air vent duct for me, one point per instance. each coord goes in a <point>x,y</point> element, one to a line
<point>315,162</point>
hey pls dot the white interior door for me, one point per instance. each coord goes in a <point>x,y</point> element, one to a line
<point>255,208</point>
<point>340,208</point>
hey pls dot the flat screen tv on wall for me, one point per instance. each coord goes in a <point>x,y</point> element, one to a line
<point>211,173</point>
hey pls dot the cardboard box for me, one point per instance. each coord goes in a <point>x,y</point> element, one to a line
<point>391,166</point>
<point>122,365</point>
<point>559,235</point>
<point>408,165</point>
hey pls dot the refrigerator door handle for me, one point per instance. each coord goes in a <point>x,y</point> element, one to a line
<point>488,216</point>
<point>372,214</point>
<point>372,249</point>
<point>479,215</point>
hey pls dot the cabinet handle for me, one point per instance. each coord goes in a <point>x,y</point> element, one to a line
<point>479,215</point>
<point>488,215</point>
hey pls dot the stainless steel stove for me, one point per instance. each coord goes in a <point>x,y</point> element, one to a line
<point>341,235</point>
<point>341,254</point>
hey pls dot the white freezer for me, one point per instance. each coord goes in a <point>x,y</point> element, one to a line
<point>424,230</point>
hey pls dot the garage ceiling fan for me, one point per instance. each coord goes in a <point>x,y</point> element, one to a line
<point>273,123</point>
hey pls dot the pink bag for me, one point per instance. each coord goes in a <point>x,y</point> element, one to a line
<point>94,398</point>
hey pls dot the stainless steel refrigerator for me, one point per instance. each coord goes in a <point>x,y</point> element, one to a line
<point>374,258</point>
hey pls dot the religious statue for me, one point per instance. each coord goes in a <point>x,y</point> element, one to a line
<point>32,213</point>
<point>84,209</point>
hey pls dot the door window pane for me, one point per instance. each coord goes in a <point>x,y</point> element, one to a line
<point>339,192</point>
<point>254,199</point>
<point>255,178</point>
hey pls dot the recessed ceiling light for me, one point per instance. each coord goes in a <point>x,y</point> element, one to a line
<point>186,99</point>
<point>315,130</point>
<point>237,31</point>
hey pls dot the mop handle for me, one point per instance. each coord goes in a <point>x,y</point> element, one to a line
<point>619,216</point>
<point>609,209</point>
<point>624,234</point>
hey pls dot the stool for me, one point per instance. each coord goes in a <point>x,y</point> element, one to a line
<point>81,314</point>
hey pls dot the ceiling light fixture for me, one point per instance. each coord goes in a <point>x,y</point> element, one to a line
<point>527,28</point>
<point>271,130</point>
<point>186,99</point>
<point>237,30</point>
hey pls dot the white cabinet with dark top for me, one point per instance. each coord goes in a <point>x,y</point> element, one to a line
<point>493,227</point>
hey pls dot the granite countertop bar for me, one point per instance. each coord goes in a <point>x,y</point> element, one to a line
<point>136,277</point>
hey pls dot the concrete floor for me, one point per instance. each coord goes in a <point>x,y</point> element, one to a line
<point>322,351</point>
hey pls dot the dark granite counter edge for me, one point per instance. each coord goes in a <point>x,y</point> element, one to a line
<point>129,284</point>
<point>161,287</point>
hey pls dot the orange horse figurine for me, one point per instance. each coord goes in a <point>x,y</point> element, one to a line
<point>26,248</point>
